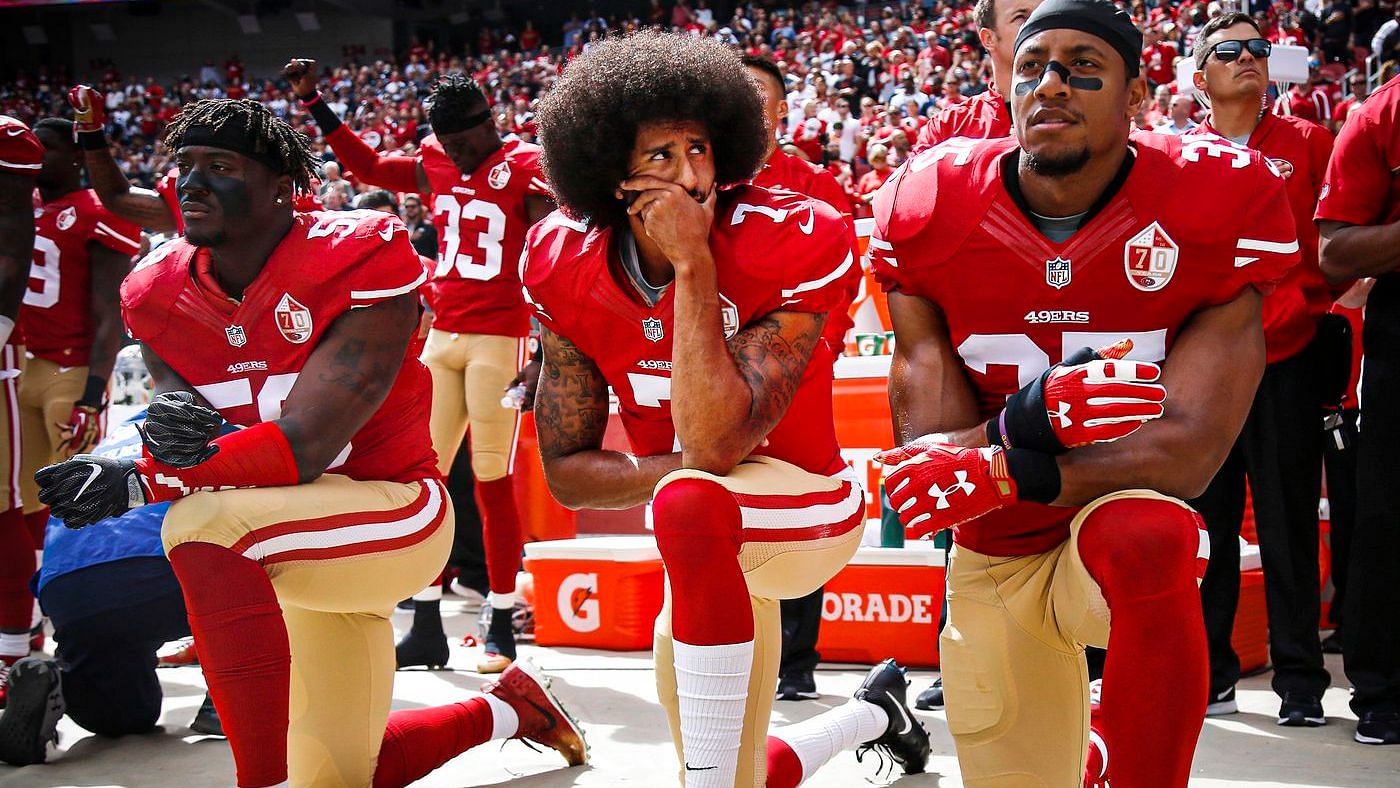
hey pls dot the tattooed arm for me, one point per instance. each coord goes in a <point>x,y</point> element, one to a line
<point>345,380</point>
<point>571,414</point>
<point>132,203</point>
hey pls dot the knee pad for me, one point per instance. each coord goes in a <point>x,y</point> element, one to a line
<point>1141,546</point>
<point>192,519</point>
<point>488,466</point>
<point>693,517</point>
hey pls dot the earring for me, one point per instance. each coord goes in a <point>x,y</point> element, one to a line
<point>279,200</point>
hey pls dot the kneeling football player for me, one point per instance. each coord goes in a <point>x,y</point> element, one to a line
<point>1061,469</point>
<point>701,301</point>
<point>293,538</point>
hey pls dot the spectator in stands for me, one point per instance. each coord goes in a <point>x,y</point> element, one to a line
<point>1179,121</point>
<point>421,232</point>
<point>1358,88</point>
<point>378,200</point>
<point>333,181</point>
<point>1160,110</point>
<point>870,182</point>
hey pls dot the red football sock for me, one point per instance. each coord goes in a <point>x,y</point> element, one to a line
<point>1143,555</point>
<point>784,767</point>
<point>699,533</point>
<point>242,640</point>
<point>501,532</point>
<point>417,741</point>
<point>16,568</point>
<point>37,522</point>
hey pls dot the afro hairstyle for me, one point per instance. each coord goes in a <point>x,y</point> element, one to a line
<point>589,120</point>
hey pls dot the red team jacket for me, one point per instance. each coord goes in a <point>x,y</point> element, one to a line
<point>21,153</point>
<point>1361,185</point>
<point>984,116</point>
<point>1291,312</point>
<point>244,357</point>
<point>946,230</point>
<point>57,313</point>
<point>773,251</point>
<point>481,220</point>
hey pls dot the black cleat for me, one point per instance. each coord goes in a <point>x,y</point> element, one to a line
<point>905,740</point>
<point>1301,710</point>
<point>30,720</point>
<point>498,639</point>
<point>1378,727</point>
<point>931,699</point>
<point>206,720</point>
<point>419,649</point>
<point>797,685</point>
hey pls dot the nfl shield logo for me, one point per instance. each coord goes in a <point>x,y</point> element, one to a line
<point>1149,258</point>
<point>651,329</point>
<point>1057,272</point>
<point>293,319</point>
<point>235,335</point>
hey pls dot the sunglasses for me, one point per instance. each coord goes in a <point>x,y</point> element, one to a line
<point>1226,51</point>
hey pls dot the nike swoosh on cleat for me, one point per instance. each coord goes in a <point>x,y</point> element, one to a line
<point>908,723</point>
<point>548,715</point>
<point>96,470</point>
<point>690,768</point>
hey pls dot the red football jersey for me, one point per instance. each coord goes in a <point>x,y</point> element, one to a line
<point>1291,312</point>
<point>984,116</point>
<point>21,153</point>
<point>773,251</point>
<point>1361,185</point>
<point>1015,302</point>
<point>244,357</point>
<point>481,221</point>
<point>57,312</point>
<point>791,173</point>
<point>168,189</point>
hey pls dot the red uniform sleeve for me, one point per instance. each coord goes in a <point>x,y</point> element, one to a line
<point>389,271</point>
<point>21,153</point>
<point>168,189</point>
<point>536,184</point>
<point>822,272</point>
<point>116,234</point>
<point>1357,187</point>
<point>1266,248</point>
<point>396,173</point>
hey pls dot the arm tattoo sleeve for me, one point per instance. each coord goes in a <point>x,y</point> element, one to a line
<point>571,404</point>
<point>772,355</point>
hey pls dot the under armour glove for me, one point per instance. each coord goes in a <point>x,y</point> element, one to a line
<point>1094,396</point>
<point>89,488</point>
<point>89,111</point>
<point>178,430</point>
<point>935,485</point>
<point>83,428</point>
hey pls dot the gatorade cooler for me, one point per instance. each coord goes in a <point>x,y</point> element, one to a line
<point>598,592</point>
<point>885,603</point>
<point>1250,637</point>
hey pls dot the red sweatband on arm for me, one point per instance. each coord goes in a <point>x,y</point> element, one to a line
<point>396,173</point>
<point>258,456</point>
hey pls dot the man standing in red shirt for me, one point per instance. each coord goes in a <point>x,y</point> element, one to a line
<point>1358,215</point>
<point>984,116</point>
<point>486,193</point>
<point>21,157</point>
<point>1280,447</point>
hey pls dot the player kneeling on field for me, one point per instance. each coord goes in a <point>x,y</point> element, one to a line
<point>293,538</point>
<point>1062,481</point>
<point>701,301</point>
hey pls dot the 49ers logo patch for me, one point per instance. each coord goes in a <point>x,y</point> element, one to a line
<point>1149,258</point>
<point>499,175</point>
<point>293,319</point>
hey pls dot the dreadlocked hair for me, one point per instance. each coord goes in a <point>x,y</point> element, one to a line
<point>454,99</point>
<point>589,120</point>
<point>271,135</point>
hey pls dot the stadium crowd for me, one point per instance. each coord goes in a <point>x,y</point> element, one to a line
<point>858,95</point>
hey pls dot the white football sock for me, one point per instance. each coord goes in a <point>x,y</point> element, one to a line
<point>14,644</point>
<point>820,738</point>
<point>505,723</point>
<point>712,683</point>
<point>501,601</point>
<point>432,593</point>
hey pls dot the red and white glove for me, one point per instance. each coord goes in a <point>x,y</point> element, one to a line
<point>82,431</point>
<point>89,109</point>
<point>1095,396</point>
<point>935,485</point>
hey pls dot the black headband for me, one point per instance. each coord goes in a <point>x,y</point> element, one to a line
<point>1095,17</point>
<point>469,122</point>
<point>234,137</point>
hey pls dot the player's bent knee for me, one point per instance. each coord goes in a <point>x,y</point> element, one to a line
<point>488,466</point>
<point>1140,546</point>
<point>693,514</point>
<point>196,518</point>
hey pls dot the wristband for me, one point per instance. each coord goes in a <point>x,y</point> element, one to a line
<point>996,431</point>
<point>1037,475</point>
<point>94,393</point>
<point>323,115</point>
<point>92,140</point>
<point>259,456</point>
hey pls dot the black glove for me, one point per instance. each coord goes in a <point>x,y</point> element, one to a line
<point>89,488</point>
<point>178,430</point>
